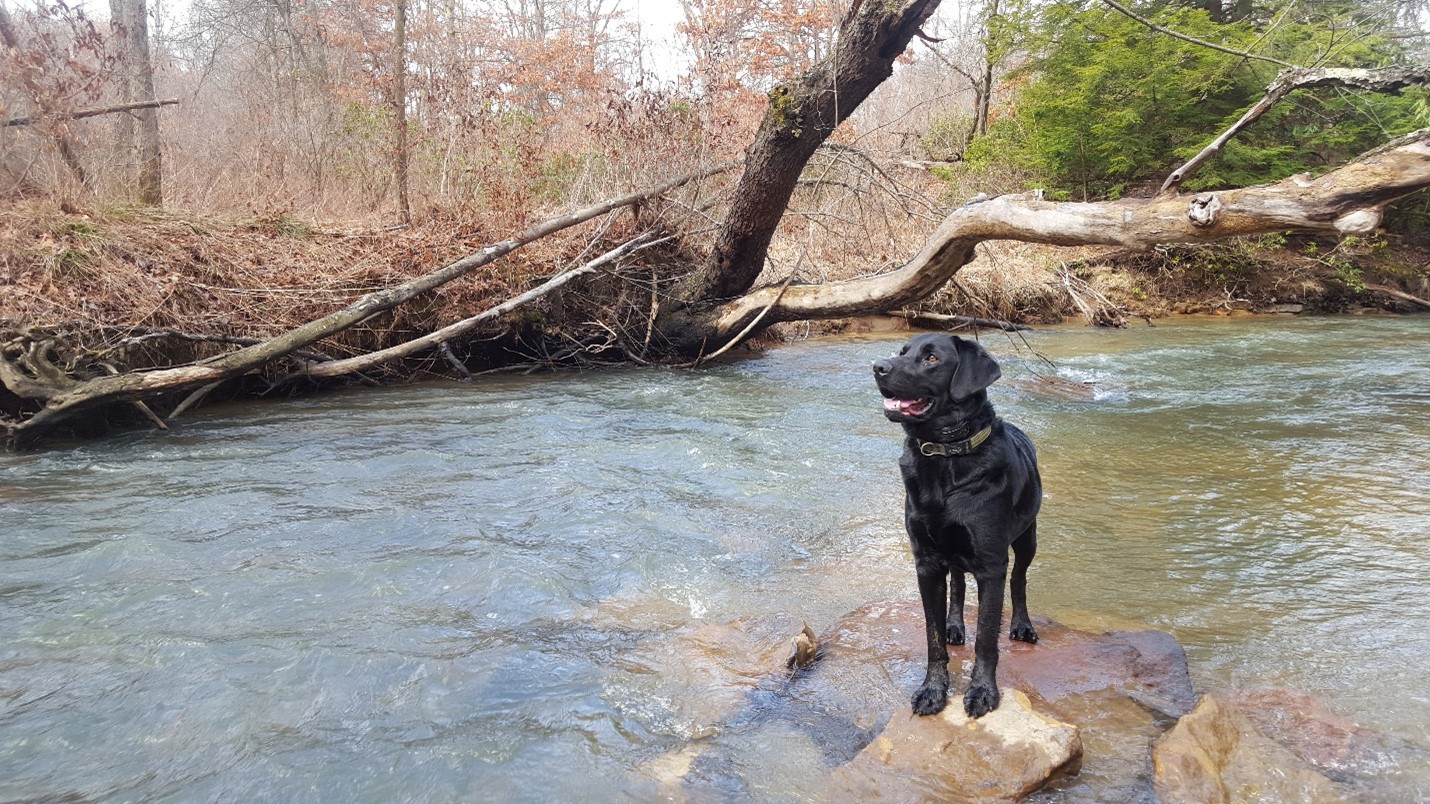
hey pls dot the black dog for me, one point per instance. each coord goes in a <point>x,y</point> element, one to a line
<point>973,491</point>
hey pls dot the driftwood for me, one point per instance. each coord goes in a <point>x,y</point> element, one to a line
<point>1399,294</point>
<point>939,321</point>
<point>27,371</point>
<point>83,113</point>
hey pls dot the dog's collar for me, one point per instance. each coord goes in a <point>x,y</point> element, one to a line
<point>932,449</point>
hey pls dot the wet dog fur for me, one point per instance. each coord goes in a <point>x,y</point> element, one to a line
<point>963,512</point>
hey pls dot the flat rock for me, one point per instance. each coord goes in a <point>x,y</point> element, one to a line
<point>1121,688</point>
<point>1004,755</point>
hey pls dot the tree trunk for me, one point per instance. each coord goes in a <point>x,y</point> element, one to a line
<point>801,114</point>
<point>151,183</point>
<point>399,105</point>
<point>985,89</point>
<point>125,150</point>
<point>138,136</point>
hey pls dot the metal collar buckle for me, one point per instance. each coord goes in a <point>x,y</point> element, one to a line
<point>934,449</point>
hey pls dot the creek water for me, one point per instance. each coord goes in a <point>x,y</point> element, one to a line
<point>442,592</point>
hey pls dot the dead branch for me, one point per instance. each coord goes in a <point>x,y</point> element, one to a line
<point>1100,311</point>
<point>1121,9</point>
<point>956,321</point>
<point>337,368</point>
<point>1384,79</point>
<point>83,113</point>
<point>1347,200</point>
<point>63,400</point>
<point>1399,294</point>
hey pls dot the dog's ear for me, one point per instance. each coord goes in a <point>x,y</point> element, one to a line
<point>976,369</point>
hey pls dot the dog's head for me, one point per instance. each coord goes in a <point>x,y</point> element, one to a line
<point>931,375</point>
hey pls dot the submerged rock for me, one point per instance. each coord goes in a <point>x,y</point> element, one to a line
<point>1007,754</point>
<point>1217,754</point>
<point>1329,742</point>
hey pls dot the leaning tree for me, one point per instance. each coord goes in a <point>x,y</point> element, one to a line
<point>717,302</point>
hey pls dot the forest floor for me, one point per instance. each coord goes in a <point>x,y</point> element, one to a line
<point>116,274</point>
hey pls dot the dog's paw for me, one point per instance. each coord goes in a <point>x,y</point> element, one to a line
<point>1023,632</point>
<point>956,635</point>
<point>979,700</point>
<point>930,699</point>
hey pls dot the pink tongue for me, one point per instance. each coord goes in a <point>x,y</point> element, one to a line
<point>902,405</point>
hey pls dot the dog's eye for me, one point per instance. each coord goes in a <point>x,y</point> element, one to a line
<point>932,358</point>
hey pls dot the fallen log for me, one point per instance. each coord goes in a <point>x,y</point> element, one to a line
<point>29,374</point>
<point>1347,200</point>
<point>939,321</point>
<point>439,338</point>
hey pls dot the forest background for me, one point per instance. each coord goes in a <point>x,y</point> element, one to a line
<point>320,150</point>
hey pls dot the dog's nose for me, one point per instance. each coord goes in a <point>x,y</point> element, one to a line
<point>882,367</point>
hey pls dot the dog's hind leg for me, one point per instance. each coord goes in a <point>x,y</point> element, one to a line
<point>1024,548</point>
<point>956,634</point>
<point>982,694</point>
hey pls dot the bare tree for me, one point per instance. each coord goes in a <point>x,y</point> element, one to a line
<point>399,106</point>
<point>130,19</point>
<point>59,134</point>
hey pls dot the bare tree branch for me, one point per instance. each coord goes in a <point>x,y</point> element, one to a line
<point>337,368</point>
<point>1385,79</point>
<point>66,397</point>
<point>1116,6</point>
<point>83,113</point>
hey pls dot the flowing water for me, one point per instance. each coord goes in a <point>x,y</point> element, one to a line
<point>450,591</point>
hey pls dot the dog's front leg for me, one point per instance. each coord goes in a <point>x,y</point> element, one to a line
<point>955,608</point>
<point>982,695</point>
<point>933,590</point>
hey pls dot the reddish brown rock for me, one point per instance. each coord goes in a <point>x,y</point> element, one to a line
<point>1306,727</point>
<point>1216,754</point>
<point>1121,688</point>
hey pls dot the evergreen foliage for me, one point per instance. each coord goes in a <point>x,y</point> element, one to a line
<point>1109,106</point>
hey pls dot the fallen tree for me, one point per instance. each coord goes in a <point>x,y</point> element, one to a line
<point>706,308</point>
<point>30,369</point>
<point>1348,200</point>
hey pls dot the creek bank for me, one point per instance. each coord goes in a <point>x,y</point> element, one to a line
<point>1093,716</point>
<point>116,291</point>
